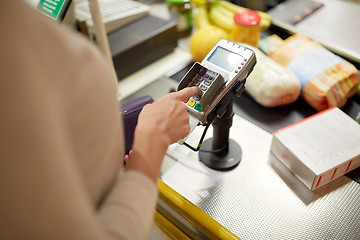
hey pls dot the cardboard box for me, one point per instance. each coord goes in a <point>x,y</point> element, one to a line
<point>319,148</point>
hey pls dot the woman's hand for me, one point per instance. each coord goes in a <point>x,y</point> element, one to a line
<point>168,115</point>
<point>160,124</point>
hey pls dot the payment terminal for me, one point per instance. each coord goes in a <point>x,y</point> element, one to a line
<point>221,76</point>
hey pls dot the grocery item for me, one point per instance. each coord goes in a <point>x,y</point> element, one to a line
<point>247,28</point>
<point>221,16</point>
<point>205,36</point>
<point>201,18</point>
<point>319,148</point>
<point>266,43</point>
<point>203,40</point>
<point>218,17</point>
<point>265,21</point>
<point>271,84</point>
<point>326,79</point>
<point>221,13</point>
<point>181,10</point>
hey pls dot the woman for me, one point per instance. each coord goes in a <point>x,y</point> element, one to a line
<point>62,142</point>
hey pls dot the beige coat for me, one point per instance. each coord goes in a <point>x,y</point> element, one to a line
<point>61,142</point>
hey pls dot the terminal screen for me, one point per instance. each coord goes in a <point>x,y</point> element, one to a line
<point>225,58</point>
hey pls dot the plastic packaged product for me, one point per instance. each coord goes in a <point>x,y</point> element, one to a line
<point>271,84</point>
<point>326,79</point>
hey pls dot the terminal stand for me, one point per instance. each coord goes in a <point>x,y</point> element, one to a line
<point>220,152</point>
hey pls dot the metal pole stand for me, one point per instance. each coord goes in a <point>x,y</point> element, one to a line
<point>220,152</point>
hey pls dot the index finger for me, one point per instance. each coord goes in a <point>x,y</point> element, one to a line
<point>188,92</point>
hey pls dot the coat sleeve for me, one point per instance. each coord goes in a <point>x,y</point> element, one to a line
<point>43,191</point>
<point>128,211</point>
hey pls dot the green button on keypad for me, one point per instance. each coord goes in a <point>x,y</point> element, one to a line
<point>198,107</point>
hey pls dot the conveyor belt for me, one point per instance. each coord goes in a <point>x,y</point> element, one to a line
<point>260,198</point>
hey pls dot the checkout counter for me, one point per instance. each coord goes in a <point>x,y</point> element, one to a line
<point>258,199</point>
<point>261,198</point>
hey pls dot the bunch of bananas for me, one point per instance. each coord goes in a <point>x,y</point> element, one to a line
<point>221,14</point>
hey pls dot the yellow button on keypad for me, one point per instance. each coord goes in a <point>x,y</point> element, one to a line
<point>191,103</point>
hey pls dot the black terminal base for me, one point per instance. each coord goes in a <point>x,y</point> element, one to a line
<point>220,152</point>
<point>222,163</point>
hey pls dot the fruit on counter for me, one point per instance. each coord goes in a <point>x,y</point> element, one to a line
<point>221,14</point>
<point>206,34</point>
<point>201,18</point>
<point>265,17</point>
<point>214,20</point>
<point>203,40</point>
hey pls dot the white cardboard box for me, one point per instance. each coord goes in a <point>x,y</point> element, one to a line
<point>319,148</point>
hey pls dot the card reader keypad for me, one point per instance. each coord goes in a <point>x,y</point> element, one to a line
<point>203,79</point>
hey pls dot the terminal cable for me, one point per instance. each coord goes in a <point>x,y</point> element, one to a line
<point>200,141</point>
<point>197,149</point>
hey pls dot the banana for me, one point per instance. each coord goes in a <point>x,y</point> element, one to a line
<point>235,8</point>
<point>201,18</point>
<point>225,11</point>
<point>221,17</point>
<point>265,17</point>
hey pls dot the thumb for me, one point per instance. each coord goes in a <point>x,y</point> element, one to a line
<point>188,92</point>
